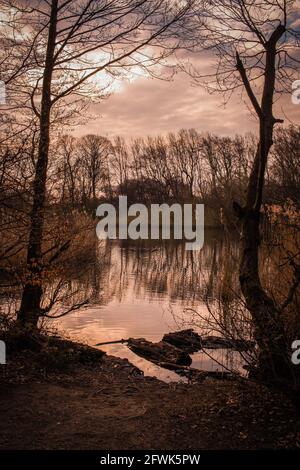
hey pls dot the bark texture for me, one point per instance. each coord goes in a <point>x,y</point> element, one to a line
<point>274,360</point>
<point>30,308</point>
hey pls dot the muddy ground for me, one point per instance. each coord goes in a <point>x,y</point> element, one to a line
<point>63,399</point>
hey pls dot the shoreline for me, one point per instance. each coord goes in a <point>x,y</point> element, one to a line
<point>72,396</point>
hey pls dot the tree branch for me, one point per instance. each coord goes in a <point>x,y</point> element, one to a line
<point>246,82</point>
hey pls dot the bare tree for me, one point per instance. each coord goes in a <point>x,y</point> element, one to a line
<point>65,45</point>
<point>185,153</point>
<point>227,163</point>
<point>285,169</point>
<point>120,164</point>
<point>94,154</point>
<point>67,170</point>
<point>256,44</point>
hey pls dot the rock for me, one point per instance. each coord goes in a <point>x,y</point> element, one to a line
<point>159,352</point>
<point>187,340</point>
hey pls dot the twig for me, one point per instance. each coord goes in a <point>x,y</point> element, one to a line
<point>113,342</point>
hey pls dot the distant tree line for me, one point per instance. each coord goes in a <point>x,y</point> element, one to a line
<point>185,166</point>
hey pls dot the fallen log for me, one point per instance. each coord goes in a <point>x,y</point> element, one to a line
<point>196,374</point>
<point>190,342</point>
<point>119,341</point>
<point>159,352</point>
<point>217,342</point>
<point>175,347</point>
<point>187,340</point>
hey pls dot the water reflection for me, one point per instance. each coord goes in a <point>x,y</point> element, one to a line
<point>155,271</point>
<point>141,290</point>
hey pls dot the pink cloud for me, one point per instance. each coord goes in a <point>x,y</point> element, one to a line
<point>148,106</point>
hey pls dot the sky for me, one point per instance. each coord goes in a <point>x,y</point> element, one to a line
<point>147,106</point>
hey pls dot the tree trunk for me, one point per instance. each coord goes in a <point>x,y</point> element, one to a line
<point>274,364</point>
<point>274,361</point>
<point>30,308</point>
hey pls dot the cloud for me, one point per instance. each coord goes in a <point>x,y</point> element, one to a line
<point>151,107</point>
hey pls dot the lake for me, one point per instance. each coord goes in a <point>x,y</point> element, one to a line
<point>146,289</point>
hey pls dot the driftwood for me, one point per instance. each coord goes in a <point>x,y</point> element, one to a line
<point>196,374</point>
<point>187,340</point>
<point>217,342</point>
<point>190,341</point>
<point>159,352</point>
<point>119,341</point>
<point>173,352</point>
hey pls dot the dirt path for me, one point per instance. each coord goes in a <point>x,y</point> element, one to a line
<point>108,405</point>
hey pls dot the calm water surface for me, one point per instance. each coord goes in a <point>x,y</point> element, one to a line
<point>142,290</point>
